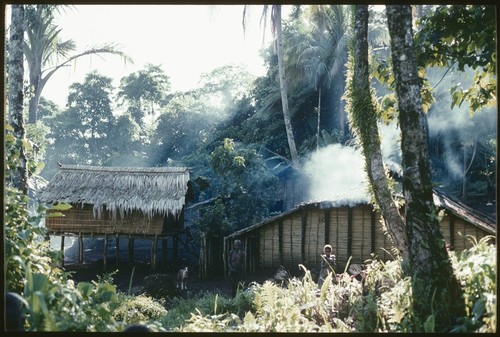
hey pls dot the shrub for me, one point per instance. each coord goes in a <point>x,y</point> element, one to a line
<point>139,309</point>
<point>182,311</point>
<point>475,269</point>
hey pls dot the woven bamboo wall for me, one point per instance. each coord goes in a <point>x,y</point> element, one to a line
<point>292,240</point>
<point>299,237</point>
<point>314,237</point>
<point>338,234</point>
<point>77,220</point>
<point>361,234</point>
<point>455,231</point>
<point>269,249</point>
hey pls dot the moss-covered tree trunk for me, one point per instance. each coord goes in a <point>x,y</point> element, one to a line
<point>15,71</point>
<point>363,120</point>
<point>435,288</point>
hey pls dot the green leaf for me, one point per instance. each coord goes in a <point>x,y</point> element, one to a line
<point>40,282</point>
<point>61,206</point>
<point>430,323</point>
<point>55,215</point>
<point>85,288</point>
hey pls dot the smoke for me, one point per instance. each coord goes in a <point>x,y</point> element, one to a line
<point>337,173</point>
<point>452,128</point>
<point>390,139</point>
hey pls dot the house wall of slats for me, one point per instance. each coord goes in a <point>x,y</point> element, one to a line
<point>82,220</point>
<point>299,238</point>
<point>455,231</point>
<point>355,233</point>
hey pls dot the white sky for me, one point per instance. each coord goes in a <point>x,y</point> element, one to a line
<point>187,40</point>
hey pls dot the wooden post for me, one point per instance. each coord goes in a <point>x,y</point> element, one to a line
<point>176,246</point>
<point>202,263</point>
<point>62,250</point>
<point>452,229</point>
<point>153,252</point>
<point>327,227</point>
<point>280,240</point>
<point>80,248</point>
<point>105,253</point>
<point>303,238</point>
<point>250,253</point>
<point>164,250</point>
<point>246,254</point>
<point>373,231</point>
<point>130,249</point>
<point>117,249</point>
<point>349,232</point>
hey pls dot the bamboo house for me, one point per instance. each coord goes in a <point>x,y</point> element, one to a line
<point>146,203</point>
<point>354,230</point>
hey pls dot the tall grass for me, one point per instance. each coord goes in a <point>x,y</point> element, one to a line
<point>382,304</point>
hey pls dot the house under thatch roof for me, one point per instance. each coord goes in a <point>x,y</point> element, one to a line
<point>353,229</point>
<point>120,190</point>
<point>142,202</point>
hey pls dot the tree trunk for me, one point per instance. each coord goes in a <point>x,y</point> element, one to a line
<point>35,99</point>
<point>15,80</point>
<point>363,118</point>
<point>435,288</point>
<point>319,118</point>
<point>283,85</point>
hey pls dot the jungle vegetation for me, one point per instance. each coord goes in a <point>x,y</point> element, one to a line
<point>233,132</point>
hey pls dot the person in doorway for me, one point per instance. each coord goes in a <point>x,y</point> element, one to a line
<point>236,264</point>
<point>328,264</point>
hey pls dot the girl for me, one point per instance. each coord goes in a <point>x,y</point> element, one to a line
<point>328,264</point>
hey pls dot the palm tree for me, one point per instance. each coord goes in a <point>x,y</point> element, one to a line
<point>44,49</point>
<point>277,33</point>
<point>15,71</point>
<point>319,55</point>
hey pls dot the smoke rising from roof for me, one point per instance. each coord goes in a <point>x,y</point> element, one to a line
<point>337,173</point>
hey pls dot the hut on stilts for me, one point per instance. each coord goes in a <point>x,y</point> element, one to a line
<point>114,202</point>
<point>354,229</point>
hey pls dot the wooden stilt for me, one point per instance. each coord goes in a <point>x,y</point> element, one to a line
<point>176,246</point>
<point>62,251</point>
<point>153,252</point>
<point>80,248</point>
<point>105,253</point>
<point>117,250</point>
<point>130,249</point>
<point>164,251</point>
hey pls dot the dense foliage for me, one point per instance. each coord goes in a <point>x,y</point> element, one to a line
<point>230,132</point>
<point>343,304</point>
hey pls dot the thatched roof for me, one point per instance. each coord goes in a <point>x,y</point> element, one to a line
<point>305,205</point>
<point>440,200</point>
<point>119,190</point>
<point>464,212</point>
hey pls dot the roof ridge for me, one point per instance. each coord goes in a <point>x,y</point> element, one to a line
<point>169,169</point>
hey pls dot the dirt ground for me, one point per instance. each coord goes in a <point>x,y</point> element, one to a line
<point>139,278</point>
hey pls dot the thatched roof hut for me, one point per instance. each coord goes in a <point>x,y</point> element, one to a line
<point>118,200</point>
<point>354,230</point>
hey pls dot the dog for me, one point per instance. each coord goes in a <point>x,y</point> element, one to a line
<point>182,276</point>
